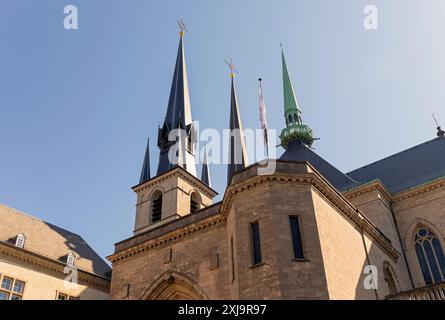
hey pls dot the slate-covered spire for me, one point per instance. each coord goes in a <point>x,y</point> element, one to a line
<point>237,148</point>
<point>205,174</point>
<point>295,129</point>
<point>145,173</point>
<point>179,101</point>
<point>178,115</point>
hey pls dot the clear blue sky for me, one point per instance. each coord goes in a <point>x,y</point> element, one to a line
<point>76,107</point>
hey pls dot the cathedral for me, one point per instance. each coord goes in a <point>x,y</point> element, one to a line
<point>305,230</point>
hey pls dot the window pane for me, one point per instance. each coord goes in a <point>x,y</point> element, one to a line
<point>296,238</point>
<point>256,246</point>
<point>62,296</point>
<point>432,261</point>
<point>7,283</point>
<point>16,297</point>
<point>439,254</point>
<point>4,295</point>
<point>423,265</point>
<point>18,286</point>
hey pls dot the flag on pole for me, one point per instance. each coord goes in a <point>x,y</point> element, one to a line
<point>263,119</point>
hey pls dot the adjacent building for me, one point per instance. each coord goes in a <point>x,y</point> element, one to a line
<point>41,261</point>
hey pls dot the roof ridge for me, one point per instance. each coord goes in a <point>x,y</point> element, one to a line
<point>38,219</point>
<point>393,155</point>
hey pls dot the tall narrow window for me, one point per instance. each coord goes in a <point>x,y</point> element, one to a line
<point>232,258</point>
<point>194,202</point>
<point>430,255</point>
<point>156,208</point>
<point>296,237</point>
<point>256,244</point>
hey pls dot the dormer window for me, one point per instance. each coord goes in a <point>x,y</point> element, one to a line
<point>20,241</point>
<point>71,259</point>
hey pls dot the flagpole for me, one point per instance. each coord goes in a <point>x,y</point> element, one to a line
<point>263,119</point>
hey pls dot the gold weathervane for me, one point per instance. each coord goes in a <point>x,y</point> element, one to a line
<point>231,67</point>
<point>182,27</point>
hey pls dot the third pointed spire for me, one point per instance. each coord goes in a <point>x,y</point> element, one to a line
<point>295,129</point>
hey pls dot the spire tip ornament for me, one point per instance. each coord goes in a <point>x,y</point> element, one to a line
<point>231,67</point>
<point>182,27</point>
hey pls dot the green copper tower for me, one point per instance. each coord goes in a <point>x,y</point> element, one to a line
<point>295,129</point>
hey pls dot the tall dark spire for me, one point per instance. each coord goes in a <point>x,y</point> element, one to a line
<point>205,174</point>
<point>237,149</point>
<point>145,173</point>
<point>178,115</point>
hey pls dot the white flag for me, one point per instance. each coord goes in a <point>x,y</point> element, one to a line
<point>263,116</point>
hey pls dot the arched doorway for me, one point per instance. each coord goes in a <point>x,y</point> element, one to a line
<point>174,286</point>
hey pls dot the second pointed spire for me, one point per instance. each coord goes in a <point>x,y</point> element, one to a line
<point>237,148</point>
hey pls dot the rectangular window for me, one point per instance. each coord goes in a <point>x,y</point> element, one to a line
<point>7,283</point>
<point>296,237</point>
<point>64,296</point>
<point>256,245</point>
<point>11,289</point>
<point>18,286</point>
<point>232,257</point>
<point>4,295</point>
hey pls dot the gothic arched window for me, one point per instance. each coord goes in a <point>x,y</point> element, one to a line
<point>156,207</point>
<point>295,118</point>
<point>430,255</point>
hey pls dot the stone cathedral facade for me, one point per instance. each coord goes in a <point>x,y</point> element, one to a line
<point>304,231</point>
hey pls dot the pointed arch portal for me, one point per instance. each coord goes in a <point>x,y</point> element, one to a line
<point>174,286</point>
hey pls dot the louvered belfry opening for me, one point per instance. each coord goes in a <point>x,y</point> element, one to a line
<point>194,203</point>
<point>156,210</point>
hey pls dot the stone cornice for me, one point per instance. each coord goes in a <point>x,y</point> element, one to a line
<point>312,177</point>
<point>375,185</point>
<point>50,266</point>
<point>419,190</point>
<point>300,173</point>
<point>168,238</point>
<point>177,172</point>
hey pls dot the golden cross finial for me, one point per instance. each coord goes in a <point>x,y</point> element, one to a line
<point>182,27</point>
<point>231,67</point>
